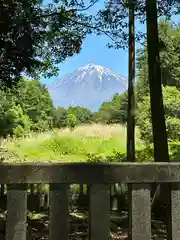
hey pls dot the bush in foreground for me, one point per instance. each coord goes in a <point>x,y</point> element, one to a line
<point>172,113</point>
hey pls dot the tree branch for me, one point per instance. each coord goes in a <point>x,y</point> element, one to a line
<point>86,8</point>
<point>72,9</point>
<point>79,23</point>
<point>92,27</point>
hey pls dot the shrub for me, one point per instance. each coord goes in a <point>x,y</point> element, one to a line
<point>13,120</point>
<point>172,114</point>
<point>19,131</point>
<point>71,121</point>
<point>173,129</point>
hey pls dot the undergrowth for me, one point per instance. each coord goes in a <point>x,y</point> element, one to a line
<point>91,143</point>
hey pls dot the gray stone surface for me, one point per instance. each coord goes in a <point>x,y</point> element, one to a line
<point>90,173</point>
<point>175,198</point>
<point>99,223</point>
<point>141,212</point>
<point>58,227</point>
<point>16,212</point>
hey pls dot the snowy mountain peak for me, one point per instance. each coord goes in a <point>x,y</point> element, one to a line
<point>90,67</point>
<point>88,86</point>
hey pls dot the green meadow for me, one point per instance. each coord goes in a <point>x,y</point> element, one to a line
<point>66,145</point>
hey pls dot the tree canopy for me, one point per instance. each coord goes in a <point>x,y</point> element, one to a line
<point>169,34</point>
<point>35,37</point>
<point>172,113</point>
<point>27,107</point>
<point>113,19</point>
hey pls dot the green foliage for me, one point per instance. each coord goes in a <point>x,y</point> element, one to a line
<point>23,122</point>
<point>12,118</point>
<point>113,19</point>
<point>174,151</point>
<point>71,121</point>
<point>82,114</point>
<point>173,128</point>
<point>69,146</point>
<point>35,37</point>
<point>142,85</point>
<point>28,107</point>
<point>169,53</point>
<point>34,99</point>
<point>169,57</point>
<point>59,117</point>
<point>172,113</point>
<point>19,131</point>
<point>72,147</point>
<point>41,125</point>
<point>170,72</point>
<point>114,111</point>
<point>120,106</point>
<point>104,113</point>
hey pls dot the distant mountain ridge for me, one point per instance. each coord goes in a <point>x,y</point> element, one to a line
<point>89,86</point>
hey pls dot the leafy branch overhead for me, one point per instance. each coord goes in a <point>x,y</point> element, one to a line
<point>36,37</point>
<point>114,18</point>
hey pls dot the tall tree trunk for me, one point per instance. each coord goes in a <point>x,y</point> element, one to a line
<point>131,82</point>
<point>157,109</point>
<point>131,107</point>
<point>161,153</point>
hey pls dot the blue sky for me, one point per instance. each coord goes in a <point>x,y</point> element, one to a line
<point>94,50</point>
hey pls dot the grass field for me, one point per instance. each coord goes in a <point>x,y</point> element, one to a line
<point>67,146</point>
<point>85,143</point>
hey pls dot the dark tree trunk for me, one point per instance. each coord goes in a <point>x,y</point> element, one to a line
<point>161,153</point>
<point>131,107</point>
<point>157,109</point>
<point>131,82</point>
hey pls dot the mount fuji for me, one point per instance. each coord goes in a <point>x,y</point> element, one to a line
<point>89,86</point>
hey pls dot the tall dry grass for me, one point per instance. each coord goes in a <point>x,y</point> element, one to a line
<point>69,145</point>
